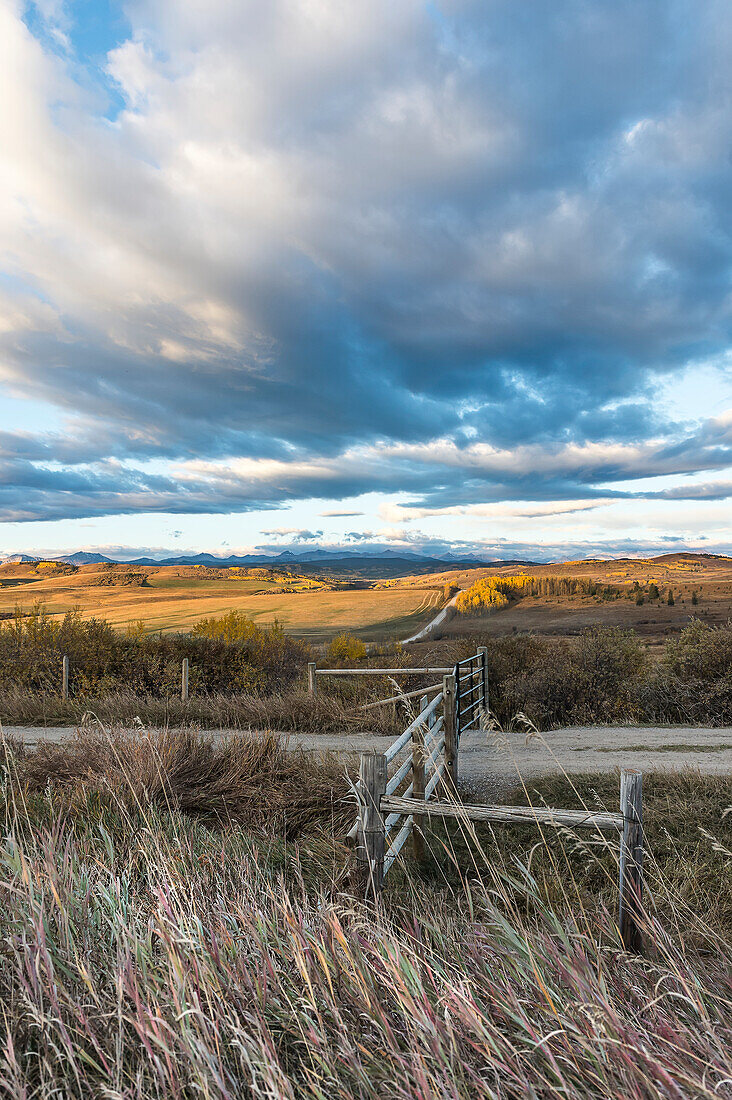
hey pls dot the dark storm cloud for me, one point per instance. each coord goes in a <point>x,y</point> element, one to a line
<point>492,224</point>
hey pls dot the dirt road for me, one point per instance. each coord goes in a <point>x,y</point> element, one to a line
<point>438,620</point>
<point>490,765</point>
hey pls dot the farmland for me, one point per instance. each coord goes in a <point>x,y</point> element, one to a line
<point>173,598</point>
<point>634,595</point>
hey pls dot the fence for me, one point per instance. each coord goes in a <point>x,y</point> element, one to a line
<point>184,679</point>
<point>390,806</point>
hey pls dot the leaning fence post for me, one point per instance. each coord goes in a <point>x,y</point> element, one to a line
<point>65,678</point>
<point>312,689</point>
<point>451,735</point>
<point>631,860</point>
<point>184,680</point>
<point>371,833</point>
<point>418,780</point>
<point>483,654</point>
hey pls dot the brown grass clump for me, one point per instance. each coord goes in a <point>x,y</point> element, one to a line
<point>243,779</point>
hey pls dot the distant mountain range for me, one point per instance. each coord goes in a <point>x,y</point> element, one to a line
<point>81,557</point>
<point>286,558</point>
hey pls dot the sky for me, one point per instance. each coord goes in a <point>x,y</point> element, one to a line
<point>434,276</point>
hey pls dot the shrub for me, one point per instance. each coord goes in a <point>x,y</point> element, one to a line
<point>563,681</point>
<point>701,652</point>
<point>605,676</point>
<point>345,648</point>
<point>234,628</point>
<point>102,660</point>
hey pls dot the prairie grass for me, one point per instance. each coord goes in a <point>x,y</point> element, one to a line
<point>166,932</point>
<point>287,711</point>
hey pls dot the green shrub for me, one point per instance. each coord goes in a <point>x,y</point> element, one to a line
<point>238,656</point>
<point>605,676</point>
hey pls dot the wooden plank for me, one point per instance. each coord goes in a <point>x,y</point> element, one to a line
<point>434,730</point>
<point>508,815</point>
<point>631,861</point>
<point>402,695</point>
<point>65,678</point>
<point>184,680</point>
<point>380,671</point>
<point>370,853</point>
<point>392,819</point>
<point>429,789</point>
<point>398,843</point>
<point>399,776</point>
<point>418,780</point>
<point>401,741</point>
<point>432,758</point>
<point>451,736</point>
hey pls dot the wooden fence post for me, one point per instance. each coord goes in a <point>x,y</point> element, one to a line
<point>65,678</point>
<point>312,688</point>
<point>451,736</point>
<point>631,860</point>
<point>184,680</point>
<point>418,780</point>
<point>372,837</point>
<point>483,654</point>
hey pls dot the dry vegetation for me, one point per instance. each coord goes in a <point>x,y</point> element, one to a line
<point>177,920</point>
<point>243,676</point>
<point>564,599</point>
<point>604,675</point>
<point>173,598</point>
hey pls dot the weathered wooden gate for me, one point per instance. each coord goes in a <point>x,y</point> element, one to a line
<point>424,784</point>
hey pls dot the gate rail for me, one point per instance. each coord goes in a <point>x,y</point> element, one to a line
<point>389,807</point>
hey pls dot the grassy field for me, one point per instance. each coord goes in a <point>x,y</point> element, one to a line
<point>707,576</point>
<point>181,919</point>
<point>173,598</point>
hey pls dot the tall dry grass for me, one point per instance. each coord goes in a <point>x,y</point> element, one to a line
<point>159,942</point>
<point>287,711</point>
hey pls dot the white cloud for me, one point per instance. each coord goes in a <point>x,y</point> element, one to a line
<point>325,249</point>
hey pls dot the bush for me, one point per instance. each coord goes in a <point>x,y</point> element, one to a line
<point>564,681</point>
<point>227,655</point>
<point>701,652</point>
<point>345,648</point>
<point>605,676</point>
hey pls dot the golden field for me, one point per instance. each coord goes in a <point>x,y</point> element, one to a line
<point>172,598</point>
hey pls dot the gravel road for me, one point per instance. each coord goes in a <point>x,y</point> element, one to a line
<point>438,620</point>
<point>490,764</point>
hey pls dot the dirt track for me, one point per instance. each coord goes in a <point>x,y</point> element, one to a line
<point>490,765</point>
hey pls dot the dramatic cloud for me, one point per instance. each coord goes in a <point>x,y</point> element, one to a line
<point>268,252</point>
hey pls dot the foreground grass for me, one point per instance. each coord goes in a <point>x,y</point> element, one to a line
<point>688,831</point>
<point>177,920</point>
